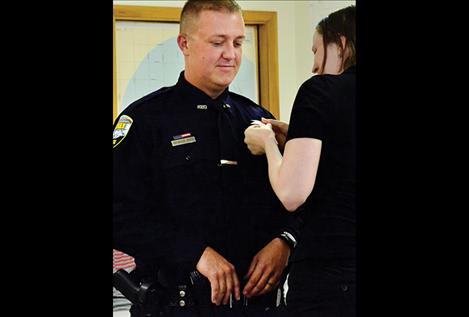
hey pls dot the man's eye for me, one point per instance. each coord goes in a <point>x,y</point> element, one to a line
<point>238,44</point>
<point>217,43</point>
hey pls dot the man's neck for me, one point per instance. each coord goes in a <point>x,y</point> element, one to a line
<point>214,94</point>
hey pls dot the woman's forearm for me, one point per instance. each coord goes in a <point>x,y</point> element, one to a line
<point>274,159</point>
<point>293,175</point>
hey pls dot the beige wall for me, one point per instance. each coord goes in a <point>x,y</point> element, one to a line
<point>296,22</point>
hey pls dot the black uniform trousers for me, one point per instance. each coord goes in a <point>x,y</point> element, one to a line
<point>223,311</point>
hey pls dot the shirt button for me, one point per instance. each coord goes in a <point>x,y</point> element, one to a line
<point>188,157</point>
<point>182,293</point>
<point>182,303</point>
<point>344,287</point>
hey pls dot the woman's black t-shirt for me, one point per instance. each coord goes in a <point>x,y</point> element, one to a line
<point>324,109</point>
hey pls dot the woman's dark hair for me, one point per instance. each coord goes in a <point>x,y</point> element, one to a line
<point>337,24</point>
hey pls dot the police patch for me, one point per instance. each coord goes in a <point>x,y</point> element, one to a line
<point>121,130</point>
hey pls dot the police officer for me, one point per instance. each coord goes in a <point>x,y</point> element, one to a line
<point>192,205</point>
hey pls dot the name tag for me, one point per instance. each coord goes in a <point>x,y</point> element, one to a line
<point>183,141</point>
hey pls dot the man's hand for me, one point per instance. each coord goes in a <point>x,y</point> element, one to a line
<point>221,274</point>
<point>266,268</point>
<point>280,128</point>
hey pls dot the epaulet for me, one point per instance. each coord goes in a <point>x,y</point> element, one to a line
<point>245,99</point>
<point>250,102</point>
<point>151,96</point>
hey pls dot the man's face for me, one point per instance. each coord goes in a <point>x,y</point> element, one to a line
<point>333,64</point>
<point>212,50</point>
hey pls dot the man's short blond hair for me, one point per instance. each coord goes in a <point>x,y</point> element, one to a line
<point>192,8</point>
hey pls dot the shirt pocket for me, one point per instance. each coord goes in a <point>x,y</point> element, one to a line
<point>189,177</point>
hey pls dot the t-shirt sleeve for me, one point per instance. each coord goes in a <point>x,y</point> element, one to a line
<point>308,116</point>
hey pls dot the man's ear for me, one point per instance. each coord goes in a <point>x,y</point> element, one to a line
<point>183,44</point>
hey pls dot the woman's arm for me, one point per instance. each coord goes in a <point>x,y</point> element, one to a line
<point>292,175</point>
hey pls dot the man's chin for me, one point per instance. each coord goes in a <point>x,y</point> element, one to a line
<point>225,79</point>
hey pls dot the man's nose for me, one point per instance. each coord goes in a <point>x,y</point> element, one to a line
<point>229,51</point>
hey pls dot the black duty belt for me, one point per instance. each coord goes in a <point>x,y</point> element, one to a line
<point>194,291</point>
<point>200,295</point>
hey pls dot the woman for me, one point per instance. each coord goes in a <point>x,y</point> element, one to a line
<point>316,174</point>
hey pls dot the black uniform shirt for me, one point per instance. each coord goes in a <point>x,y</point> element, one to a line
<point>177,188</point>
<point>324,109</point>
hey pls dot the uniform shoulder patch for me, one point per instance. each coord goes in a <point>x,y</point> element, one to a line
<point>121,129</point>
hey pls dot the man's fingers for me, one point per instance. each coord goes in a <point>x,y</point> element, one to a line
<point>269,286</point>
<point>215,289</point>
<point>229,288</point>
<point>253,280</point>
<point>260,285</point>
<point>222,290</point>
<point>220,273</point>
<point>236,286</point>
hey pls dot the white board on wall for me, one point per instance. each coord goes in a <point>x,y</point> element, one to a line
<point>148,58</point>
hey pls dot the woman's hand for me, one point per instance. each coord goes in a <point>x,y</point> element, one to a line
<point>256,137</point>
<point>280,128</point>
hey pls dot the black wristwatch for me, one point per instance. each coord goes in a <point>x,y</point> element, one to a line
<point>289,239</point>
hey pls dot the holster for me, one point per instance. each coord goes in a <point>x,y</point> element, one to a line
<point>144,294</point>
